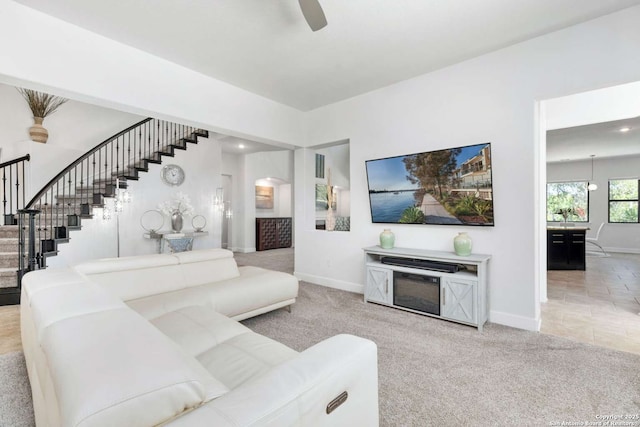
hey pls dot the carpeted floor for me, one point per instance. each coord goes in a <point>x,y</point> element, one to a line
<point>437,373</point>
<point>431,372</point>
<point>16,409</point>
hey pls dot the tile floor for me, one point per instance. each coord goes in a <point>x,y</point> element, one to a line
<point>598,306</point>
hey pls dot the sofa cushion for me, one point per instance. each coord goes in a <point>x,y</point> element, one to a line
<point>206,266</point>
<point>136,276</point>
<point>244,358</point>
<point>197,328</point>
<point>255,288</point>
<point>69,300</point>
<point>143,377</point>
<point>38,280</point>
<point>230,351</point>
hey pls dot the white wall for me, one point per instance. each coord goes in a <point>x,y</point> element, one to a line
<point>74,129</point>
<point>51,55</point>
<point>614,237</point>
<point>250,168</point>
<point>597,106</point>
<point>285,200</point>
<point>337,159</point>
<point>490,98</point>
<point>233,165</point>
<point>97,239</point>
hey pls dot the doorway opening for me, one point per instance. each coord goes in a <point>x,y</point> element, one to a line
<point>589,167</point>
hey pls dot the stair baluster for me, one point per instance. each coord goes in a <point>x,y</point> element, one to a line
<point>83,185</point>
<point>11,202</point>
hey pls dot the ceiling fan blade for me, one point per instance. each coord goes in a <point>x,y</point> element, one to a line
<point>313,13</point>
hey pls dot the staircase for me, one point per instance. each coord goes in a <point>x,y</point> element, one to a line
<point>70,197</point>
<point>9,254</point>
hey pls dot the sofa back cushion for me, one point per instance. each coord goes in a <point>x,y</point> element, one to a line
<point>136,276</point>
<point>207,266</point>
<point>109,365</point>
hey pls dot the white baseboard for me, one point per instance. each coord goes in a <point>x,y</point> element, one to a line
<point>331,283</point>
<point>515,321</point>
<point>243,250</point>
<point>621,250</point>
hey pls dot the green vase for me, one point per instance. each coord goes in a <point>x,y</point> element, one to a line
<point>387,239</point>
<point>462,244</point>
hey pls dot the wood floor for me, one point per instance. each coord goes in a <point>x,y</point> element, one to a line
<point>598,306</point>
<point>10,329</point>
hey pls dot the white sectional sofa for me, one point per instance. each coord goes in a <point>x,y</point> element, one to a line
<point>154,340</point>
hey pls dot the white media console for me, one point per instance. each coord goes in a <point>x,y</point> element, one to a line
<point>459,296</point>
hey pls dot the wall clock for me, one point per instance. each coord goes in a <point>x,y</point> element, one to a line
<point>172,175</point>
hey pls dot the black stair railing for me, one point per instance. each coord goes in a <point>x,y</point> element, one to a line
<point>13,188</point>
<point>73,193</point>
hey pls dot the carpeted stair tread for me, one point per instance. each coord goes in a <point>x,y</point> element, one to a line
<point>9,231</point>
<point>9,259</point>
<point>8,277</point>
<point>9,244</point>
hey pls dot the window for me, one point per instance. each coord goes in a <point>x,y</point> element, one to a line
<point>623,200</point>
<point>319,165</point>
<point>571,197</point>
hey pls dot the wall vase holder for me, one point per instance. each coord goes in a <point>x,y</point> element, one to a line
<point>37,132</point>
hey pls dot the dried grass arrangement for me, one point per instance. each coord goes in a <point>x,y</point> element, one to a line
<point>41,104</point>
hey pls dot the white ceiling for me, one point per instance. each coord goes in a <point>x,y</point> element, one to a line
<point>600,139</point>
<point>234,145</point>
<point>266,47</point>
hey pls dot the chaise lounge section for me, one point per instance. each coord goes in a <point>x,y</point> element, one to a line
<point>150,340</point>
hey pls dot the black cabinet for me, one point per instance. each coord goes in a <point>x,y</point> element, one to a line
<point>273,233</point>
<point>565,249</point>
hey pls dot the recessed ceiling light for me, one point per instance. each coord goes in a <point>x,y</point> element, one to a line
<point>241,146</point>
<point>624,129</point>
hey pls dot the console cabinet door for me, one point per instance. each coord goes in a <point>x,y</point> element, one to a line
<point>379,286</point>
<point>556,250</point>
<point>273,233</point>
<point>576,250</point>
<point>565,249</point>
<point>284,232</point>
<point>459,300</point>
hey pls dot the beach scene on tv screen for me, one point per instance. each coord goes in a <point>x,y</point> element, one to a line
<point>451,186</point>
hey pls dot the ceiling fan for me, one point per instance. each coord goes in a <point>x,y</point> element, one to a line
<point>313,13</point>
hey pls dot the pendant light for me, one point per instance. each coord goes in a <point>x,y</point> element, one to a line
<point>592,186</point>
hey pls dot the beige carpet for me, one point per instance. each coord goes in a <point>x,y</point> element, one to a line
<point>16,409</point>
<point>437,373</point>
<point>431,372</point>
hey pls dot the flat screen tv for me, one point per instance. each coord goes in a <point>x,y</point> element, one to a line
<point>448,187</point>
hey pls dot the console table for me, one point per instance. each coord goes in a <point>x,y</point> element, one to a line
<point>178,242</point>
<point>273,233</point>
<point>566,248</point>
<point>463,295</point>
